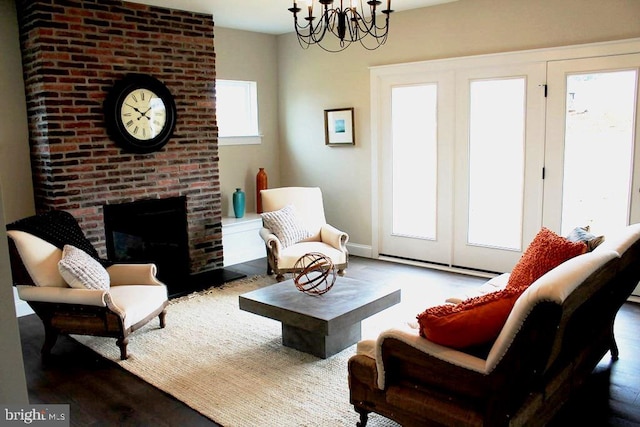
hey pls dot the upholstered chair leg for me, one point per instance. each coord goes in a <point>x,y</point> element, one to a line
<point>50,338</point>
<point>122,343</point>
<point>162,317</point>
<point>614,348</point>
<point>280,277</point>
<point>341,272</point>
<point>364,417</point>
<point>270,261</point>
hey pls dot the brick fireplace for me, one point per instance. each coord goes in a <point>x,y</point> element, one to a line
<point>73,53</point>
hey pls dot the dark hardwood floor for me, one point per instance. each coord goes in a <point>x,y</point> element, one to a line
<point>100,393</point>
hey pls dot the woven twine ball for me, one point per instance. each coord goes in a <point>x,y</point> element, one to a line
<point>317,273</point>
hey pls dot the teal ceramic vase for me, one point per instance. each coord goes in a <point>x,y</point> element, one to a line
<point>238,203</point>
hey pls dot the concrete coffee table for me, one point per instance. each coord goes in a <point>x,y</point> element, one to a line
<point>322,325</point>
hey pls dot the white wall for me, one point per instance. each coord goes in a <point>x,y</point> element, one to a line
<point>15,167</point>
<point>297,85</point>
<point>243,55</point>
<point>13,384</point>
<point>313,80</point>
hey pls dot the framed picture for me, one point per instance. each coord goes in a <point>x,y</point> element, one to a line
<point>338,127</point>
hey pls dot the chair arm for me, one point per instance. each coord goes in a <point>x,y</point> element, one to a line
<point>334,237</point>
<point>271,240</point>
<point>133,274</point>
<point>51,294</point>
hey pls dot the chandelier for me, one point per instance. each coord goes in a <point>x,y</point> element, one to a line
<point>349,24</point>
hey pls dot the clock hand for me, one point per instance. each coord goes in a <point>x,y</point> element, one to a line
<point>145,114</point>
<point>136,110</point>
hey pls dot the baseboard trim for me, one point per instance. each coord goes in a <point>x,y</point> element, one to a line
<point>440,267</point>
<point>363,251</point>
<point>366,251</point>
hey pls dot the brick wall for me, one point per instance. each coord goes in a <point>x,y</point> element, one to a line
<point>73,52</point>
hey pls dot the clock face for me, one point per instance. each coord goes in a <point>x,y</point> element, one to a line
<point>140,113</point>
<point>143,114</point>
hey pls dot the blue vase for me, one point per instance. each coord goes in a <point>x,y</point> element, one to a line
<point>238,203</point>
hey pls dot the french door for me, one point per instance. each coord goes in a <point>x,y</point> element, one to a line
<point>592,132</point>
<point>455,189</point>
<point>499,160</point>
<point>474,155</point>
<point>417,167</point>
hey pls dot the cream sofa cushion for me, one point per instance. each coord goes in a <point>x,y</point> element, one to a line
<point>137,301</point>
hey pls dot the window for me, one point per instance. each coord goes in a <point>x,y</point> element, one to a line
<point>497,131</point>
<point>414,151</point>
<point>237,112</point>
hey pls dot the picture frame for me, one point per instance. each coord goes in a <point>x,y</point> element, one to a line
<point>338,127</point>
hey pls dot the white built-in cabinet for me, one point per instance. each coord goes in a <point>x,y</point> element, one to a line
<point>241,241</point>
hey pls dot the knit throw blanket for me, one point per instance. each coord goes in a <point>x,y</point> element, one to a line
<point>58,228</point>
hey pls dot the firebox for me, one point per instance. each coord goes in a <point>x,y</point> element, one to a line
<point>151,230</point>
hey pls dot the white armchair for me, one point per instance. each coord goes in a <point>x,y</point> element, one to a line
<point>112,301</point>
<point>306,209</point>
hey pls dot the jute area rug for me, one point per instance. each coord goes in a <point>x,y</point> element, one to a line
<point>231,366</point>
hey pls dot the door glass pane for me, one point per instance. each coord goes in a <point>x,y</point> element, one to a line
<point>598,150</point>
<point>414,151</point>
<point>496,162</point>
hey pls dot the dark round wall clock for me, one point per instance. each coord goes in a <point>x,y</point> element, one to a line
<point>140,113</point>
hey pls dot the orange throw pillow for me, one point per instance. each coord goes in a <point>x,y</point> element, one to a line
<point>479,320</point>
<point>474,321</point>
<point>546,252</point>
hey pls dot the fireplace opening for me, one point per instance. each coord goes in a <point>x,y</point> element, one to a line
<point>153,230</point>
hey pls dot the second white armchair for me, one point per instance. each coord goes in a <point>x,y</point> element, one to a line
<point>294,224</point>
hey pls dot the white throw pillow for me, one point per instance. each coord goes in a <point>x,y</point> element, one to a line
<point>80,270</point>
<point>285,224</point>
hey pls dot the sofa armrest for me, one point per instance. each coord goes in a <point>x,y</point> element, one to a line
<point>407,341</point>
<point>133,274</point>
<point>334,237</point>
<point>95,297</point>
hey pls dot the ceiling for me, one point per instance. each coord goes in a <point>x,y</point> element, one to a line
<point>263,16</point>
